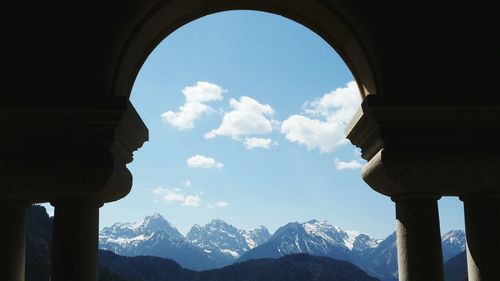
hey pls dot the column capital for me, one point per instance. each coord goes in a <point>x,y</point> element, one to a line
<point>73,202</point>
<point>448,124</point>
<point>415,196</point>
<point>413,145</point>
<point>68,147</point>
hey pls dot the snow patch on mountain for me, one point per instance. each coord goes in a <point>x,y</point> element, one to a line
<point>220,237</point>
<point>453,243</point>
<point>232,253</point>
<point>123,235</point>
<point>122,241</point>
<point>351,237</point>
<point>256,236</point>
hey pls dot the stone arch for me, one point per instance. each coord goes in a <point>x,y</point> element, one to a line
<point>157,20</point>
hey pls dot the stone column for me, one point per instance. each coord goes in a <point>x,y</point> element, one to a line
<point>13,237</point>
<point>482,225</point>
<point>418,238</point>
<point>75,241</point>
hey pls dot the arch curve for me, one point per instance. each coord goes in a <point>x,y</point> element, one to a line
<point>163,17</point>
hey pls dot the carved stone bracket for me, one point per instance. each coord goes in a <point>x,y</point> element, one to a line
<point>428,147</point>
<point>68,147</point>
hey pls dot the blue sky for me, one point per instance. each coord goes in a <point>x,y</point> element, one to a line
<point>246,113</point>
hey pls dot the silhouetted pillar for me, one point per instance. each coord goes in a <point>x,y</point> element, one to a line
<point>418,238</point>
<point>482,226</point>
<point>75,242</point>
<point>13,237</point>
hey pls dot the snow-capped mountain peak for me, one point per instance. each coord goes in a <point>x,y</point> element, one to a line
<point>256,236</point>
<point>130,234</point>
<point>219,237</point>
<point>454,236</point>
<point>157,222</point>
<point>453,243</point>
<point>313,237</point>
<point>326,231</point>
<point>218,243</point>
<point>155,236</point>
<point>351,238</point>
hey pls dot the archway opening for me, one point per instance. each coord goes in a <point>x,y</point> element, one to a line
<point>246,112</point>
<point>236,154</point>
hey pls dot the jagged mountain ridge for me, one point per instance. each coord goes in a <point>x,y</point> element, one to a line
<point>154,236</point>
<point>312,237</point>
<point>39,238</point>
<point>376,257</point>
<point>214,245</point>
<point>222,244</point>
<point>453,243</point>
<point>113,267</point>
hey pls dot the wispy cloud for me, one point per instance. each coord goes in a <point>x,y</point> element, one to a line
<point>218,204</point>
<point>351,165</point>
<point>222,204</point>
<point>194,107</point>
<point>176,195</point>
<point>248,117</point>
<point>323,122</point>
<point>251,143</point>
<point>187,183</point>
<point>204,162</point>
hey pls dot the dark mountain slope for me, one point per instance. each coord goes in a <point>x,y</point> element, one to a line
<point>297,267</point>
<point>38,244</point>
<point>455,269</point>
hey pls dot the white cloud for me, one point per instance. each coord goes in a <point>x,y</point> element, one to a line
<point>324,126</point>
<point>218,204</point>
<point>176,195</point>
<point>351,165</point>
<point>158,191</point>
<point>247,117</point>
<point>251,143</point>
<point>337,106</point>
<point>187,183</point>
<point>194,107</point>
<point>173,196</point>
<point>191,201</point>
<point>313,133</point>
<point>222,204</point>
<point>200,161</point>
<point>203,92</point>
<point>188,113</point>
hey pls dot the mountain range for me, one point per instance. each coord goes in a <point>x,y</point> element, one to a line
<point>213,245</point>
<point>117,268</point>
<point>219,244</point>
<point>113,267</point>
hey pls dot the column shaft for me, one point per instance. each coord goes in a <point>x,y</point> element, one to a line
<point>75,242</point>
<point>482,225</point>
<point>419,240</point>
<point>13,237</point>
